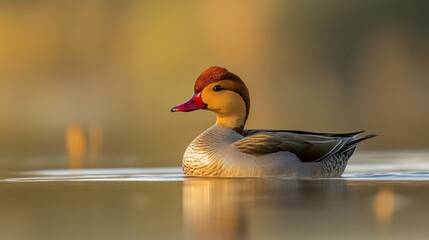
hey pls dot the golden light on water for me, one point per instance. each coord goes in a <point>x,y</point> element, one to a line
<point>78,148</point>
<point>384,208</point>
<point>76,145</point>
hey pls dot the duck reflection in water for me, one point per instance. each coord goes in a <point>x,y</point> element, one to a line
<point>216,208</point>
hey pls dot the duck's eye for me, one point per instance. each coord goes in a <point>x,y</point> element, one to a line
<point>217,88</point>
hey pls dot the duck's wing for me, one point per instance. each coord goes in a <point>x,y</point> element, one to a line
<point>308,146</point>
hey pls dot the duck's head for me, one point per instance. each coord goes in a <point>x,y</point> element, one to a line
<point>222,92</point>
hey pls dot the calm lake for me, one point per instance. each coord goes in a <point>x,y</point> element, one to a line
<point>382,195</point>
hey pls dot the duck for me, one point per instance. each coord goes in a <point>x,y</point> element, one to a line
<point>227,149</point>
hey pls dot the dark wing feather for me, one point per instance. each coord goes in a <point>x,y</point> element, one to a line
<point>309,147</point>
<point>270,142</point>
<point>249,132</point>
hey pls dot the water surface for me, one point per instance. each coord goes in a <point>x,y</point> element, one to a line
<point>381,196</point>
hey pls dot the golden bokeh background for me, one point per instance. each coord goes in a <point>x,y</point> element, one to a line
<point>96,79</point>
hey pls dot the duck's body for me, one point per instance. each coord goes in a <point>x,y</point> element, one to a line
<point>213,153</point>
<point>227,150</point>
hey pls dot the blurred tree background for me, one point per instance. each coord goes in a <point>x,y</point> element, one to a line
<point>98,77</point>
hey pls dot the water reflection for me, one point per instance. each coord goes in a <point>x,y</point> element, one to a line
<point>384,208</point>
<point>160,203</point>
<point>238,208</point>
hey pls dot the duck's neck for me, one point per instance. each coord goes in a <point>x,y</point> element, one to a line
<point>234,121</point>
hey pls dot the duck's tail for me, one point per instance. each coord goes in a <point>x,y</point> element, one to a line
<point>356,141</point>
<point>335,165</point>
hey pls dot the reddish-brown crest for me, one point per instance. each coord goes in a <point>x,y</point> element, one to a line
<point>215,74</point>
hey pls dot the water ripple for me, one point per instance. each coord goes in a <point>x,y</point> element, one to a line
<point>415,176</point>
<point>375,166</point>
<point>174,175</point>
